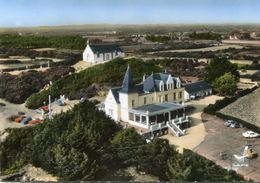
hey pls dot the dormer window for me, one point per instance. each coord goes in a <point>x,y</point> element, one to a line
<point>161,85</point>
<point>169,82</point>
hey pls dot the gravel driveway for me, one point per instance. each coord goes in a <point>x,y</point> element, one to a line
<point>230,141</point>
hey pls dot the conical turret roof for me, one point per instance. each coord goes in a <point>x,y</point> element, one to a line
<point>128,83</point>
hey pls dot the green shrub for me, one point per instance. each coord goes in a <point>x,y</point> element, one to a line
<point>219,104</point>
<point>69,146</point>
<point>110,73</point>
<point>32,41</point>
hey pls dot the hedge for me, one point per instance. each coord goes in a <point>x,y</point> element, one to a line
<point>220,104</point>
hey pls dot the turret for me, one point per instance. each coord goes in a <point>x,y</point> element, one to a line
<point>128,83</point>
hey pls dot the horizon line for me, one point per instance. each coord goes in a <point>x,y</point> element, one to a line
<point>137,24</point>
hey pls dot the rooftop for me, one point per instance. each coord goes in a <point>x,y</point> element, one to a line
<point>157,108</point>
<point>105,48</point>
<point>197,86</point>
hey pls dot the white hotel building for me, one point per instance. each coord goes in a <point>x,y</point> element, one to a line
<point>156,104</point>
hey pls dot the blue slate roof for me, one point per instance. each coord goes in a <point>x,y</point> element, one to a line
<point>151,83</point>
<point>159,107</point>
<point>197,86</point>
<point>105,48</point>
<point>115,92</point>
<point>128,82</point>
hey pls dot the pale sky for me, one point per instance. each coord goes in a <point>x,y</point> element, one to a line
<point>65,12</point>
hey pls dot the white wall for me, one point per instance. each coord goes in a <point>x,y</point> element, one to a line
<point>112,105</point>
<point>186,96</point>
<point>88,55</point>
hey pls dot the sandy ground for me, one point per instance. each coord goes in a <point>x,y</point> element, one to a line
<point>213,48</point>
<point>248,72</point>
<point>246,42</point>
<point>13,109</point>
<point>19,72</point>
<point>195,134</point>
<point>81,65</point>
<point>45,49</point>
<point>242,62</point>
<point>37,174</point>
<point>220,138</point>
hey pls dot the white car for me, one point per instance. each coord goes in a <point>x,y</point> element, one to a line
<point>250,134</point>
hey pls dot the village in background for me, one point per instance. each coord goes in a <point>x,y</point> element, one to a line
<point>194,86</point>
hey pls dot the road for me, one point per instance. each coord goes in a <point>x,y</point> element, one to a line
<point>220,138</point>
<point>196,133</point>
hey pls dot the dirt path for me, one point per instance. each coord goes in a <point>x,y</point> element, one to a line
<point>213,48</point>
<point>195,134</point>
<point>220,138</point>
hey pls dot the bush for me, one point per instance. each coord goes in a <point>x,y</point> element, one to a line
<point>219,66</point>
<point>219,104</point>
<point>125,143</point>
<point>226,84</point>
<point>69,146</point>
<point>205,36</point>
<point>110,73</point>
<point>32,41</point>
<point>17,89</point>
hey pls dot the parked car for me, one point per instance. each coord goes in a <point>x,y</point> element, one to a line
<point>250,134</point>
<point>19,119</point>
<point>233,124</point>
<point>228,122</point>
<point>26,120</point>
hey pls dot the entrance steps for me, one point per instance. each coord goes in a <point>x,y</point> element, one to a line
<point>175,128</point>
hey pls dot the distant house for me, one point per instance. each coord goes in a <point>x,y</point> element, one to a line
<point>101,52</point>
<point>197,89</point>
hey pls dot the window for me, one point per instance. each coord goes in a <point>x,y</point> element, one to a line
<point>131,116</point>
<point>174,96</point>
<point>161,85</point>
<point>144,100</point>
<point>152,99</point>
<point>180,95</point>
<point>98,55</point>
<point>107,56</point>
<point>143,120</point>
<point>116,53</point>
<point>110,112</point>
<point>166,98</point>
<point>161,99</point>
<point>137,118</point>
<point>133,103</point>
<point>161,88</point>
